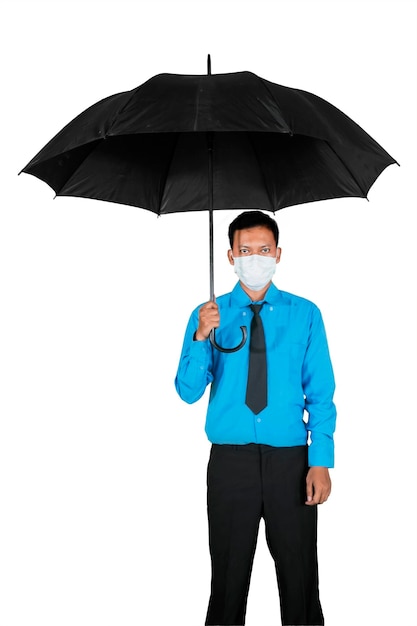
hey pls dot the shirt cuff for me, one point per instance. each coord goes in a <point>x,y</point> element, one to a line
<point>321,452</point>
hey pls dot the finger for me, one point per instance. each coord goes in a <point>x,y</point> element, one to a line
<point>316,494</point>
<point>309,492</point>
<point>322,495</point>
<point>314,500</point>
<point>211,312</point>
<point>325,495</point>
<point>210,318</point>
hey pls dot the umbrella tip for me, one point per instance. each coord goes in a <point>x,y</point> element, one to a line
<point>208,65</point>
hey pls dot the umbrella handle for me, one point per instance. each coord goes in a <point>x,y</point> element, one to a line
<point>228,350</point>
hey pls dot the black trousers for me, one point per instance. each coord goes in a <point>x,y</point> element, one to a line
<point>246,483</point>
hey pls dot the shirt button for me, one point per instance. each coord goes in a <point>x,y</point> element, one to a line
<point>271,308</point>
<point>259,420</point>
<point>244,313</point>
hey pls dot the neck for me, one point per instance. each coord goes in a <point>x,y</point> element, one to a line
<point>255,296</point>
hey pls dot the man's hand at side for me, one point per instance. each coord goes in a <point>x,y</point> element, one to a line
<point>318,485</point>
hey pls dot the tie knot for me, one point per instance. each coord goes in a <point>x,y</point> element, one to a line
<point>256,308</point>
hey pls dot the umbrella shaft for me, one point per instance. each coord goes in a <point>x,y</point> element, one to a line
<point>210,208</point>
<point>211,255</point>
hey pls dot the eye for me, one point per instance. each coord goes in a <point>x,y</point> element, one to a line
<point>243,250</point>
<point>266,250</point>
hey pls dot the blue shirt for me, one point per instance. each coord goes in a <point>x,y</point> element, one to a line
<point>300,376</point>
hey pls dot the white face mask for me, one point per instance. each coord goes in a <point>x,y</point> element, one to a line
<point>255,271</point>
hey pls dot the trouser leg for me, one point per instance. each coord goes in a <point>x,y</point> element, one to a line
<point>291,531</point>
<point>234,500</point>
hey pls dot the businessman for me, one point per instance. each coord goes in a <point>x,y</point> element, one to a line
<point>270,420</point>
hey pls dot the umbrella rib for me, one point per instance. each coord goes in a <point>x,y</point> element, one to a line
<point>165,177</point>
<point>263,82</point>
<point>250,136</point>
<point>197,107</point>
<point>94,144</point>
<point>122,108</point>
<point>364,193</point>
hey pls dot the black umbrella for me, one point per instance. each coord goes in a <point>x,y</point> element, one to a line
<point>206,142</point>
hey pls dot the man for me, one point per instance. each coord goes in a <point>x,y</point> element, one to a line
<point>270,453</point>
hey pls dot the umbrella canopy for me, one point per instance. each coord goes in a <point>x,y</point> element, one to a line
<point>272,147</point>
<point>204,142</point>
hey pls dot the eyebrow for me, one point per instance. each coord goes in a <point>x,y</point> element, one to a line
<point>264,245</point>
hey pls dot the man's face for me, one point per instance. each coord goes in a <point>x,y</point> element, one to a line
<point>257,240</point>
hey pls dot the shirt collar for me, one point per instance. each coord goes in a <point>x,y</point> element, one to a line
<point>240,298</point>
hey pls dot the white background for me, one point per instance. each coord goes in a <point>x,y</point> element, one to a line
<point>102,466</point>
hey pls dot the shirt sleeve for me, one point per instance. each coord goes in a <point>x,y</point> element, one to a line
<point>319,387</point>
<point>194,369</point>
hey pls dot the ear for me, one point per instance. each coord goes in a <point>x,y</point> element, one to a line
<point>230,257</point>
<point>278,254</point>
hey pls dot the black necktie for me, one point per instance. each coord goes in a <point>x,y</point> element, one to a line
<point>256,390</point>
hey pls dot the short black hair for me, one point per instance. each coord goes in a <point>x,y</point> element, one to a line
<point>250,219</point>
